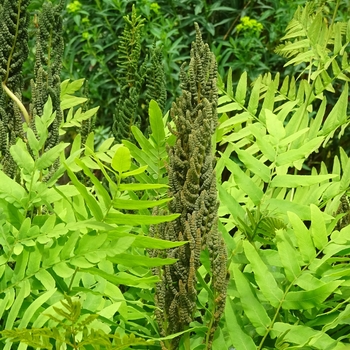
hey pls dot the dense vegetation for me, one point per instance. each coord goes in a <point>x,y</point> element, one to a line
<point>150,204</point>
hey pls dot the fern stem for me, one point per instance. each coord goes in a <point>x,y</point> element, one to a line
<point>17,101</point>
<point>71,281</point>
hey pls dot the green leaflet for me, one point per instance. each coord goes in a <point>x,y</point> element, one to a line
<point>244,181</point>
<point>255,165</point>
<point>124,259</point>
<point>240,339</point>
<point>288,255</point>
<point>121,160</point>
<point>303,336</point>
<point>130,204</point>
<point>90,200</point>
<point>310,298</point>
<point>21,156</point>
<point>299,180</point>
<point>22,292</point>
<point>156,122</point>
<point>303,236</point>
<point>263,276</point>
<point>136,220</point>
<point>318,228</point>
<point>252,307</point>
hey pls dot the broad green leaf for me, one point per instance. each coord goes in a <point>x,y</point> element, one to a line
<point>305,300</point>
<point>239,339</point>
<point>238,118</point>
<point>63,270</point>
<point>134,172</point>
<point>301,58</point>
<point>14,313</point>
<point>48,117</point>
<point>142,157</point>
<point>269,101</point>
<point>110,310</point>
<point>70,87</point>
<point>274,126</point>
<point>146,145</point>
<point>125,278</point>
<point>137,220</point>
<point>318,228</point>
<point>244,181</point>
<point>49,157</point>
<point>91,202</point>
<point>263,276</point>
<point>254,96</point>
<point>33,142</point>
<point>21,156</point>
<point>231,203</point>
<point>156,122</point>
<point>252,307</point>
<point>302,152</point>
<point>90,242</point>
<point>34,307</point>
<point>81,262</point>
<point>315,28</point>
<point>306,246</point>
<point>288,255</point>
<point>106,145</point>
<point>69,246</point>
<point>90,144</point>
<point>338,114</point>
<point>253,164</point>
<point>17,249</point>
<point>289,139</point>
<point>229,84</point>
<point>305,336</point>
<point>300,44</point>
<point>130,204</point>
<point>101,191</point>
<point>299,180</point>
<point>121,160</point>
<point>138,260</point>
<point>264,142</point>
<point>145,241</point>
<point>140,187</point>
<point>69,101</point>
<point>233,106</point>
<point>241,89</point>
<point>284,206</point>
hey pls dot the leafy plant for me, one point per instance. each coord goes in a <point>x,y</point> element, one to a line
<point>289,282</point>
<point>70,239</point>
<point>72,326</point>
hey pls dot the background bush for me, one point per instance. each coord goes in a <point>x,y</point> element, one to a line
<point>93,29</point>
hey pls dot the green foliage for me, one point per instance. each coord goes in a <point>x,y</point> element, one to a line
<point>72,239</point>
<point>289,285</point>
<point>72,326</point>
<point>93,28</point>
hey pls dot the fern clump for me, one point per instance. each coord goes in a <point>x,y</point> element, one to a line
<point>193,186</point>
<point>289,215</point>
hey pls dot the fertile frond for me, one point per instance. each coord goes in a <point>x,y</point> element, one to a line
<point>193,186</point>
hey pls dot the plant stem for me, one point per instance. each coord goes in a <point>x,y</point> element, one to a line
<point>17,101</point>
